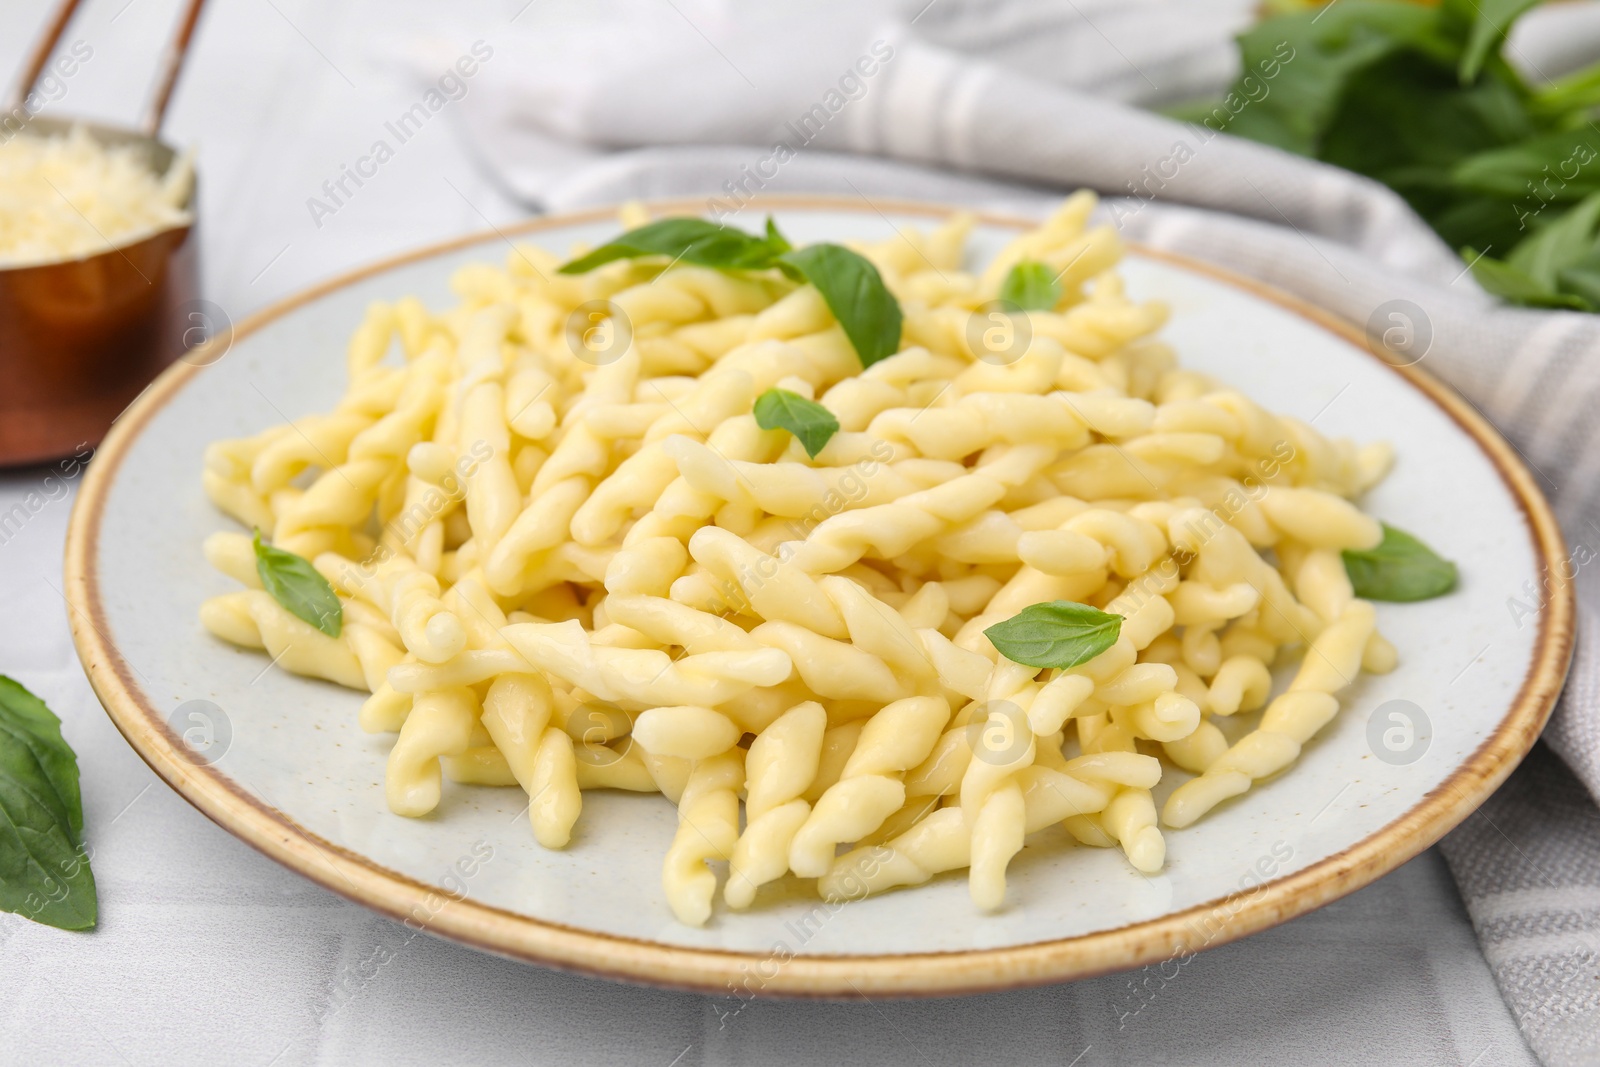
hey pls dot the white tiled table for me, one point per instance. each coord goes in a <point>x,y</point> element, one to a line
<point>209,953</point>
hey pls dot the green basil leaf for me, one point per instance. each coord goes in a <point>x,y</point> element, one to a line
<point>1375,87</point>
<point>776,242</point>
<point>1055,634</point>
<point>25,714</point>
<point>1511,284</point>
<point>44,874</point>
<point>855,293</point>
<point>1032,286</point>
<point>1421,98</point>
<point>1294,69</point>
<point>1582,279</point>
<point>1478,221</point>
<point>810,422</point>
<point>1408,123</point>
<point>688,240</point>
<point>1574,91</point>
<point>1562,166</point>
<point>297,585</point>
<point>1400,568</point>
<point>1487,22</point>
<point>852,287</point>
<point>1562,242</point>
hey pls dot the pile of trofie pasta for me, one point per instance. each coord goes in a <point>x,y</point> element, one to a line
<point>646,524</point>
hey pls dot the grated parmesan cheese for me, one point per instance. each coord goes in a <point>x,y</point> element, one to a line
<point>68,196</point>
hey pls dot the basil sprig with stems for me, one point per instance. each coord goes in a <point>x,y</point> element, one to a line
<point>1400,568</point>
<point>810,423</point>
<point>1421,97</point>
<point>1059,633</point>
<point>1031,286</point>
<point>849,283</point>
<point>44,870</point>
<point>297,585</point>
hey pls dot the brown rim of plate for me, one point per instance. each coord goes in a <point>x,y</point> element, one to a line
<point>507,933</point>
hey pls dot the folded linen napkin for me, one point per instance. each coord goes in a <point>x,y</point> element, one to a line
<point>1008,105</point>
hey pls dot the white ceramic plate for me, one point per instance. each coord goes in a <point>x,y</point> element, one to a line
<point>289,771</point>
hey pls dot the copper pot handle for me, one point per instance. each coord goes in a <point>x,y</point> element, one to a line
<point>166,78</point>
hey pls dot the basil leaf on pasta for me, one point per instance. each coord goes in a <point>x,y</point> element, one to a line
<point>296,584</point>
<point>856,295</point>
<point>852,287</point>
<point>1059,633</point>
<point>688,240</point>
<point>777,244</point>
<point>1400,568</point>
<point>810,423</point>
<point>44,874</point>
<point>1032,286</point>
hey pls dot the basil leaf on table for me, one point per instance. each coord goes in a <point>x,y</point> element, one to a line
<point>297,585</point>
<point>44,874</point>
<point>688,240</point>
<point>1408,123</point>
<point>1059,633</point>
<point>1313,57</point>
<point>1554,267</point>
<point>1400,568</point>
<point>1570,92</point>
<point>1559,244</point>
<point>810,423</point>
<point>1421,98</point>
<point>1375,87</point>
<point>1505,172</point>
<point>1509,283</point>
<point>1031,286</point>
<point>856,295</point>
<point>1487,22</point>
<point>1582,279</point>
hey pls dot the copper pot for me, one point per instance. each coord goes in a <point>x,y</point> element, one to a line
<point>80,339</point>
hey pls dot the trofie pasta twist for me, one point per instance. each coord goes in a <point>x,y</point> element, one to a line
<point>565,547</point>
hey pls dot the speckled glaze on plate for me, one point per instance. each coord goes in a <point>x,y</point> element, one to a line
<point>289,771</point>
